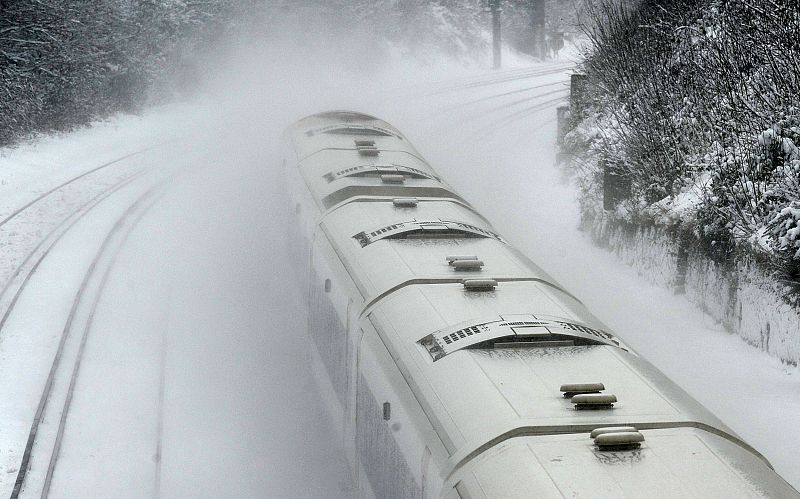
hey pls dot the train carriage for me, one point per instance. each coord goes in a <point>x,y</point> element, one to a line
<point>456,367</point>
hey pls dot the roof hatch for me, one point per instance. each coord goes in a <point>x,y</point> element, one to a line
<point>594,401</point>
<point>405,202</point>
<point>467,264</point>
<point>479,284</point>
<point>366,147</point>
<point>572,389</point>
<point>618,441</point>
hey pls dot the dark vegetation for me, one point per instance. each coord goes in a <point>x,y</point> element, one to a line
<point>64,63</point>
<point>697,100</point>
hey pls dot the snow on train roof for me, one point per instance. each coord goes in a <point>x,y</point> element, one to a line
<point>673,462</point>
<point>397,173</point>
<point>344,122</point>
<point>516,388</point>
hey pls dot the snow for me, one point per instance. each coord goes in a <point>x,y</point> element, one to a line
<point>682,207</point>
<point>200,295</point>
<point>47,161</point>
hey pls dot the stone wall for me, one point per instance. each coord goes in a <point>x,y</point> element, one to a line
<point>740,293</point>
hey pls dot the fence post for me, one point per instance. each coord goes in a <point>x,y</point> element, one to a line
<point>682,260</point>
<point>578,88</point>
<point>616,185</point>
<point>562,124</point>
<point>562,115</point>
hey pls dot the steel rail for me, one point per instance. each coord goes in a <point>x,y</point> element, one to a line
<point>541,106</point>
<point>26,458</point>
<point>498,81</point>
<point>512,92</point>
<point>443,85</point>
<point>60,227</point>
<point>534,109</point>
<point>473,113</point>
<point>122,228</point>
<point>46,194</point>
<point>59,231</point>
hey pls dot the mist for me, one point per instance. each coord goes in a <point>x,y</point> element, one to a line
<point>197,379</point>
<point>200,344</point>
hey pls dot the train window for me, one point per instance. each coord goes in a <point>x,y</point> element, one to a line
<point>515,332</point>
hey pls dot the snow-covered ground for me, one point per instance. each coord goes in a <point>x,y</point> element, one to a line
<point>194,379</point>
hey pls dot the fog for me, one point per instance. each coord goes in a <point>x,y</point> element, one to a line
<point>197,379</point>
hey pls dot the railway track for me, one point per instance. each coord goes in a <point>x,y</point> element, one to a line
<point>14,286</point>
<point>56,397</point>
<point>514,99</point>
<point>82,193</point>
<point>499,79</point>
<point>39,198</point>
<point>82,189</point>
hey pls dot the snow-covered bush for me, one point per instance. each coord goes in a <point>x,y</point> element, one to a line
<point>64,63</point>
<point>699,106</point>
<point>786,228</point>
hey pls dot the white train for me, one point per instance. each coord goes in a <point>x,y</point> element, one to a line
<point>455,367</point>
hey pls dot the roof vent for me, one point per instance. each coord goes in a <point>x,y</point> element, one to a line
<point>405,202</point>
<point>366,148</point>
<point>594,401</point>
<point>624,440</point>
<point>571,389</point>
<point>453,258</point>
<point>467,264</point>
<point>479,284</point>
<point>392,178</point>
<point>611,429</point>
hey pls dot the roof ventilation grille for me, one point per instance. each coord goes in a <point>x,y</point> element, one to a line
<point>622,440</point>
<point>594,401</point>
<point>467,264</point>
<point>405,202</point>
<point>571,389</point>
<point>479,284</point>
<point>392,178</point>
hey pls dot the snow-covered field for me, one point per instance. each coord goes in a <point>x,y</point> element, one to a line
<point>193,381</point>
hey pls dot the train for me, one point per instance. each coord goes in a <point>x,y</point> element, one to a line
<point>454,367</point>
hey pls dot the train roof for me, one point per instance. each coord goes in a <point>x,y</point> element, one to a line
<point>676,462</point>
<point>336,175</point>
<point>480,400</point>
<point>341,129</point>
<point>486,349</point>
<point>477,394</point>
<point>386,246</point>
